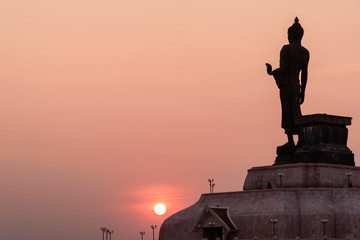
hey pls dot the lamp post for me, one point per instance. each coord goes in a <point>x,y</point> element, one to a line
<point>210,182</point>
<point>281,175</point>
<point>274,221</point>
<point>324,222</point>
<point>348,174</point>
<point>153,228</point>
<point>142,235</point>
<point>103,229</point>
<point>109,232</point>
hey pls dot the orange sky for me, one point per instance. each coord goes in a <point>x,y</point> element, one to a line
<point>108,107</point>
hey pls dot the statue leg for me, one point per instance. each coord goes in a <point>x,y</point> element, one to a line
<point>290,140</point>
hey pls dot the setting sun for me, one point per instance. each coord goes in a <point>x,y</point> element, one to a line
<point>159,209</point>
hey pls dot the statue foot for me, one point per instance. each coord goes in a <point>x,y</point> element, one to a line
<point>287,148</point>
<point>287,145</point>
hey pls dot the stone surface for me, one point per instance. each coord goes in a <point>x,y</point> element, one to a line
<point>298,211</point>
<point>323,118</point>
<point>322,139</point>
<point>302,175</point>
<point>299,205</point>
<point>320,183</point>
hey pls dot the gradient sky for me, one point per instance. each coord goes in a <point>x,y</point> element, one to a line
<point>108,107</point>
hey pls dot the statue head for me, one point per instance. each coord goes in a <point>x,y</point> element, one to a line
<point>295,32</point>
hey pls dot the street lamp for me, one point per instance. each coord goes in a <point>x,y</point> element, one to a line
<point>212,184</point>
<point>348,174</point>
<point>103,229</point>
<point>153,228</point>
<point>324,222</point>
<point>142,235</point>
<point>109,232</point>
<point>281,175</point>
<point>274,221</point>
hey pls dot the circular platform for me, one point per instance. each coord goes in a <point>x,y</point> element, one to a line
<point>298,208</point>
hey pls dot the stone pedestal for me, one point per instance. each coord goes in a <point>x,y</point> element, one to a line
<point>302,175</point>
<point>322,139</point>
<point>312,183</point>
<point>306,194</point>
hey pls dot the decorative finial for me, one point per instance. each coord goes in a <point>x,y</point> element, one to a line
<point>296,20</point>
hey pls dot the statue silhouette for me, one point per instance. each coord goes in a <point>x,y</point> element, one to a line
<point>294,59</point>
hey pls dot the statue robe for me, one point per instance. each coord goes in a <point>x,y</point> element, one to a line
<point>292,58</point>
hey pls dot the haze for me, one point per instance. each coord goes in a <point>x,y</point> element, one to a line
<point>109,107</point>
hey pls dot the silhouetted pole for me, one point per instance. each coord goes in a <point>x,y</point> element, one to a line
<point>348,174</point>
<point>153,228</point>
<point>274,221</point>
<point>324,222</point>
<point>103,229</point>
<point>211,185</point>
<point>142,235</point>
<point>281,175</point>
<point>110,232</point>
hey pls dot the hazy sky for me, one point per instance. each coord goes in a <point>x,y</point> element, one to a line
<point>108,107</point>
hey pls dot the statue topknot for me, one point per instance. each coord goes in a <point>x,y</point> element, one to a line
<point>296,31</point>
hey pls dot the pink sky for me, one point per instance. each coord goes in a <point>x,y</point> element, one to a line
<point>108,107</point>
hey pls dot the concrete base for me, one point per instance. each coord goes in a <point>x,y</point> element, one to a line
<point>322,139</point>
<point>298,211</point>
<point>298,206</point>
<point>302,175</point>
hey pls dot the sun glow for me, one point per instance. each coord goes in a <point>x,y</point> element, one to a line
<point>159,209</point>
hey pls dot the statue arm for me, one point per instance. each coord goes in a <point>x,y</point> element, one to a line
<point>272,72</point>
<point>269,69</point>
<point>284,63</point>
